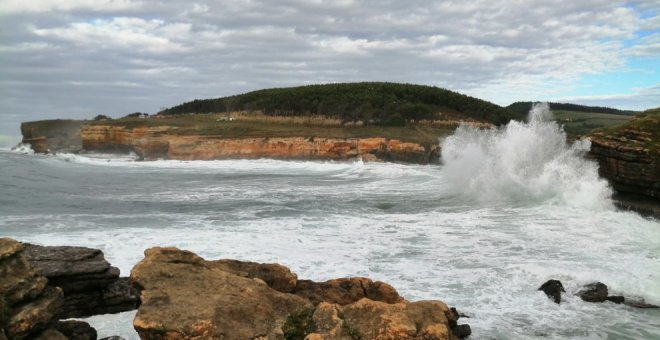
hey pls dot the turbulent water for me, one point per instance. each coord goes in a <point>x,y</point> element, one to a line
<point>507,210</point>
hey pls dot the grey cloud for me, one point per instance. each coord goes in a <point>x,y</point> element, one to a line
<point>78,58</point>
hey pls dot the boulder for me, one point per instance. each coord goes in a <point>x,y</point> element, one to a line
<point>346,290</point>
<point>553,289</point>
<point>593,292</point>
<point>183,297</point>
<point>90,284</point>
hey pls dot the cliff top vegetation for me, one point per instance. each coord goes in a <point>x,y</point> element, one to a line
<point>374,103</point>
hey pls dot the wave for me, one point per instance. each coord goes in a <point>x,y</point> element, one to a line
<point>524,162</point>
<point>22,148</point>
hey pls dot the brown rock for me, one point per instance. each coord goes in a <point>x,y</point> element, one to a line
<point>186,297</point>
<point>367,319</point>
<point>35,315</point>
<point>9,247</point>
<point>275,275</point>
<point>593,292</point>
<point>346,290</point>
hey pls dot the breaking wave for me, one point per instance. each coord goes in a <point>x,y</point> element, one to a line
<point>524,162</point>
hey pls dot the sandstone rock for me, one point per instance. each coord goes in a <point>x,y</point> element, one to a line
<point>367,319</point>
<point>346,290</point>
<point>275,275</point>
<point>34,316</point>
<point>76,330</point>
<point>593,292</point>
<point>184,297</point>
<point>9,247</point>
<point>553,289</point>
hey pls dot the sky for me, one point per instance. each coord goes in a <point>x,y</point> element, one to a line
<point>80,58</point>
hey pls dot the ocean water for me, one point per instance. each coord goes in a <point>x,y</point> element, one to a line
<point>507,210</point>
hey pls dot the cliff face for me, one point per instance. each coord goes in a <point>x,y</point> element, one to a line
<point>629,156</point>
<point>53,135</point>
<point>160,142</point>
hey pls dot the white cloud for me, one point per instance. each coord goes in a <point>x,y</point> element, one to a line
<point>44,6</point>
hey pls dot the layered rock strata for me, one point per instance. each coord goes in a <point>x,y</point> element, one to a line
<point>91,286</point>
<point>159,143</point>
<point>186,297</point>
<point>28,306</point>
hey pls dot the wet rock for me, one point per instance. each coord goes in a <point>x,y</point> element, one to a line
<point>553,289</point>
<point>347,290</point>
<point>616,299</point>
<point>34,316</point>
<point>76,330</point>
<point>114,337</point>
<point>90,284</point>
<point>184,296</point>
<point>593,292</point>
<point>640,304</point>
<point>51,334</point>
<point>462,331</point>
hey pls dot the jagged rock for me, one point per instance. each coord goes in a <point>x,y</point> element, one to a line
<point>184,296</point>
<point>27,305</point>
<point>275,275</point>
<point>593,292</point>
<point>34,316</point>
<point>367,319</point>
<point>91,285</point>
<point>553,289</point>
<point>347,290</point>
<point>76,330</point>
<point>51,334</point>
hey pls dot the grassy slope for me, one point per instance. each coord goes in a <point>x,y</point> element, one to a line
<point>581,123</point>
<point>645,127</point>
<point>207,125</point>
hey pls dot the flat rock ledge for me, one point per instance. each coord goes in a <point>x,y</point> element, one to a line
<point>184,296</point>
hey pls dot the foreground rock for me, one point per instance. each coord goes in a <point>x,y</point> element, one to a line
<point>28,307</point>
<point>90,284</point>
<point>187,297</point>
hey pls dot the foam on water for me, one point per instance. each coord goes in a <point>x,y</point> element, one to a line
<point>524,163</point>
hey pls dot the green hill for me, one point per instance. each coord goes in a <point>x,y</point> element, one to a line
<point>523,108</point>
<point>377,103</point>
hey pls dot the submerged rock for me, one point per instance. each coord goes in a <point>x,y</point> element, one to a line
<point>186,297</point>
<point>553,289</point>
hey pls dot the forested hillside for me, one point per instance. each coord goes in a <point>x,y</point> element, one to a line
<point>370,102</point>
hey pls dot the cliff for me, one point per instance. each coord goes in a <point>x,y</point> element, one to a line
<point>629,157</point>
<point>207,137</point>
<point>160,143</point>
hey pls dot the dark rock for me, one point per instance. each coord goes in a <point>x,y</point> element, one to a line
<point>457,313</point>
<point>76,330</point>
<point>594,292</point>
<point>114,337</point>
<point>119,296</point>
<point>50,334</point>
<point>553,289</point>
<point>462,331</point>
<point>91,285</point>
<point>640,304</point>
<point>616,299</point>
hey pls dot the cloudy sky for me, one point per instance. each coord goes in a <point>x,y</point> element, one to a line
<point>79,58</point>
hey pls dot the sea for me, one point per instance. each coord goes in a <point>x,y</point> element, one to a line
<point>507,209</point>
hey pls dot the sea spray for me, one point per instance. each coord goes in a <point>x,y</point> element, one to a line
<point>523,163</point>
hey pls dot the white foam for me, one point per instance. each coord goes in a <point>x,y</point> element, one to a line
<point>23,148</point>
<point>523,163</point>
